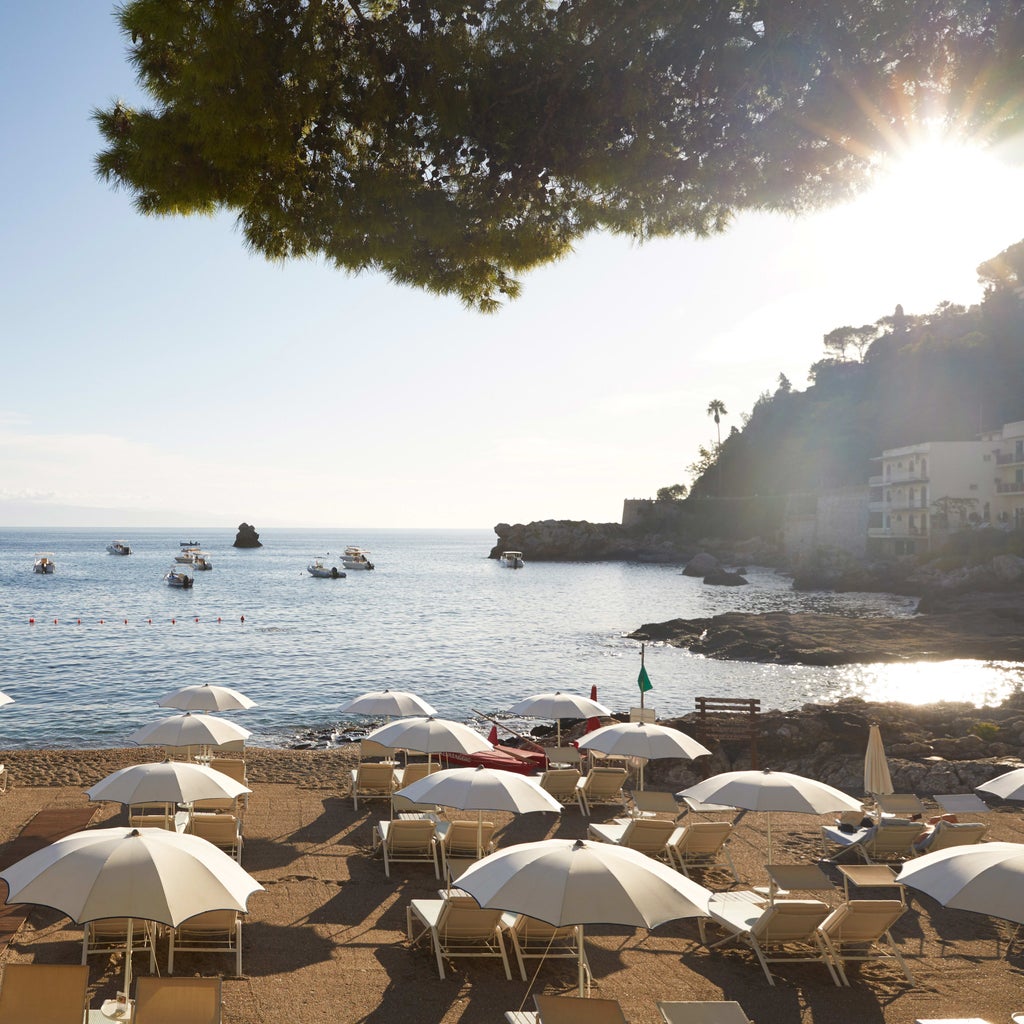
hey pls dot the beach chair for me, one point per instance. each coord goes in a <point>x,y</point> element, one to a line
<point>601,786</point>
<point>223,830</point>
<point>5,777</point>
<point>888,840</point>
<point>372,781</point>
<point>217,931</point>
<point>152,815</point>
<point>177,1001</point>
<point>563,757</point>
<point>406,841</point>
<point>457,929</point>
<point>720,1011</point>
<point>533,939</point>
<point>645,835</point>
<point>651,803</point>
<point>406,777</point>
<point>946,834</point>
<point>466,840</point>
<point>856,930</point>
<point>371,749</point>
<point>576,1010</point>
<point>700,845</point>
<point>561,784</point>
<point>44,994</point>
<point>110,935</point>
<point>777,929</point>
<point>900,805</point>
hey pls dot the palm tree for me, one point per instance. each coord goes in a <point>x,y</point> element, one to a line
<point>716,408</point>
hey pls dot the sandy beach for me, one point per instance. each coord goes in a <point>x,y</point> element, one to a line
<point>326,941</point>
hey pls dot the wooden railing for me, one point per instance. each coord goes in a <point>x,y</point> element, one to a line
<point>728,719</point>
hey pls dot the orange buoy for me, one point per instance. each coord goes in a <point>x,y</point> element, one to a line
<point>31,622</point>
<point>172,622</point>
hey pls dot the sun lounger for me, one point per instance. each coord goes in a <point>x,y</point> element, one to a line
<point>110,935</point>
<point>575,1010</point>
<point>888,840</point>
<point>406,841</point>
<point>601,786</point>
<point>561,784</point>
<point>218,931</point>
<point>223,830</point>
<point>533,939</point>
<point>961,803</point>
<point>701,845</point>
<point>457,929</point>
<point>43,993</point>
<point>947,833</point>
<point>464,840</point>
<point>372,781</point>
<point>645,835</point>
<point>722,1011</point>
<point>651,802</point>
<point>900,805</point>
<point>177,1001</point>
<point>856,930</point>
<point>780,927</point>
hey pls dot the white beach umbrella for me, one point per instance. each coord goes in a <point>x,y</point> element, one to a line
<point>986,878</point>
<point>877,779</point>
<point>557,706</point>
<point>430,735</point>
<point>207,697</point>
<point>566,882</point>
<point>642,739</point>
<point>190,730</point>
<point>1009,786</point>
<point>5,700</point>
<point>151,874</point>
<point>771,791</point>
<point>169,782</point>
<point>387,702</point>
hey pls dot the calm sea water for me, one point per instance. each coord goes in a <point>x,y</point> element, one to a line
<point>436,616</point>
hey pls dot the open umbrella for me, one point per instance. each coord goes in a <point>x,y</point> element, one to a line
<point>1009,786</point>
<point>169,782</point>
<point>771,791</point>
<point>986,878</point>
<point>481,789</point>
<point>558,705</point>
<point>566,883</point>
<point>430,735</point>
<point>150,874</point>
<point>877,780</point>
<point>387,702</point>
<point>642,739</point>
<point>207,697</point>
<point>190,730</point>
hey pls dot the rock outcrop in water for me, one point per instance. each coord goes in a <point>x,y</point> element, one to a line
<point>247,537</point>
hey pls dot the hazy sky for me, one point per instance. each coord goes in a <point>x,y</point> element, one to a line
<point>155,373</point>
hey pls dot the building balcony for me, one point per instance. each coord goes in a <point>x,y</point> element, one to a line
<point>1009,459</point>
<point>876,481</point>
<point>905,505</point>
<point>1014,487</point>
<point>905,478</point>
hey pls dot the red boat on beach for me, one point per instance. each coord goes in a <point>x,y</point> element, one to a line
<point>509,759</point>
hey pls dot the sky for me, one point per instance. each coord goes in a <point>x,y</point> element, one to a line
<point>158,374</point>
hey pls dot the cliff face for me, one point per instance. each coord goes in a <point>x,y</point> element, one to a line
<point>565,540</point>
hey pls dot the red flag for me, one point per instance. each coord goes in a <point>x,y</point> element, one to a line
<point>593,723</point>
<point>492,737</point>
<point>593,692</point>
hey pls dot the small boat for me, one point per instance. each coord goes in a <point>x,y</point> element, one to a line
<point>512,559</point>
<point>189,544</point>
<point>178,577</point>
<point>201,561</point>
<point>322,571</point>
<point>355,558</point>
<point>187,556</point>
<point>44,563</point>
<point>119,547</point>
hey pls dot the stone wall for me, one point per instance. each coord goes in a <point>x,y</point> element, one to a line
<point>837,521</point>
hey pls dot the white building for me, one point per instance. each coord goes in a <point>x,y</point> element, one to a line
<point>1008,464</point>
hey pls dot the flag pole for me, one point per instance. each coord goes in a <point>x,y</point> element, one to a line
<point>643,647</point>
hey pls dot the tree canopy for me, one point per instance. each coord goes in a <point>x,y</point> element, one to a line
<point>454,145</point>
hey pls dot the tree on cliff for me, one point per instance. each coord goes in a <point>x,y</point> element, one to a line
<point>453,145</point>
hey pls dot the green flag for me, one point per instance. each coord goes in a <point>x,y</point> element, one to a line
<point>643,680</point>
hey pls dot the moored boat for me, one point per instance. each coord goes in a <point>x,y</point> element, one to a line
<point>355,558</point>
<point>322,571</point>
<point>176,576</point>
<point>201,561</point>
<point>119,547</point>
<point>44,563</point>
<point>512,559</point>
<point>187,556</point>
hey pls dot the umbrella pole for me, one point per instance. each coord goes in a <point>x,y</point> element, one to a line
<point>579,966</point>
<point>769,837</point>
<point>128,960</point>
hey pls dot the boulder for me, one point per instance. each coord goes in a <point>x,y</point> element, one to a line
<point>701,565</point>
<point>247,537</point>
<point>723,578</point>
<point>1008,568</point>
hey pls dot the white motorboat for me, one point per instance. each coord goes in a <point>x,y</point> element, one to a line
<point>44,563</point>
<point>512,559</point>
<point>176,576</point>
<point>201,561</point>
<point>187,556</point>
<point>355,558</point>
<point>322,571</point>
<point>119,547</point>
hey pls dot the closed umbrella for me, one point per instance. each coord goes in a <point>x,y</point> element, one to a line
<point>565,882</point>
<point>771,791</point>
<point>5,700</point>
<point>207,697</point>
<point>985,878</point>
<point>430,735</point>
<point>642,739</point>
<point>558,705</point>
<point>169,782</point>
<point>877,780</point>
<point>1009,786</point>
<point>150,874</point>
<point>190,730</point>
<point>387,702</point>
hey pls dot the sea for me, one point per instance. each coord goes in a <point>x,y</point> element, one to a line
<point>88,652</point>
